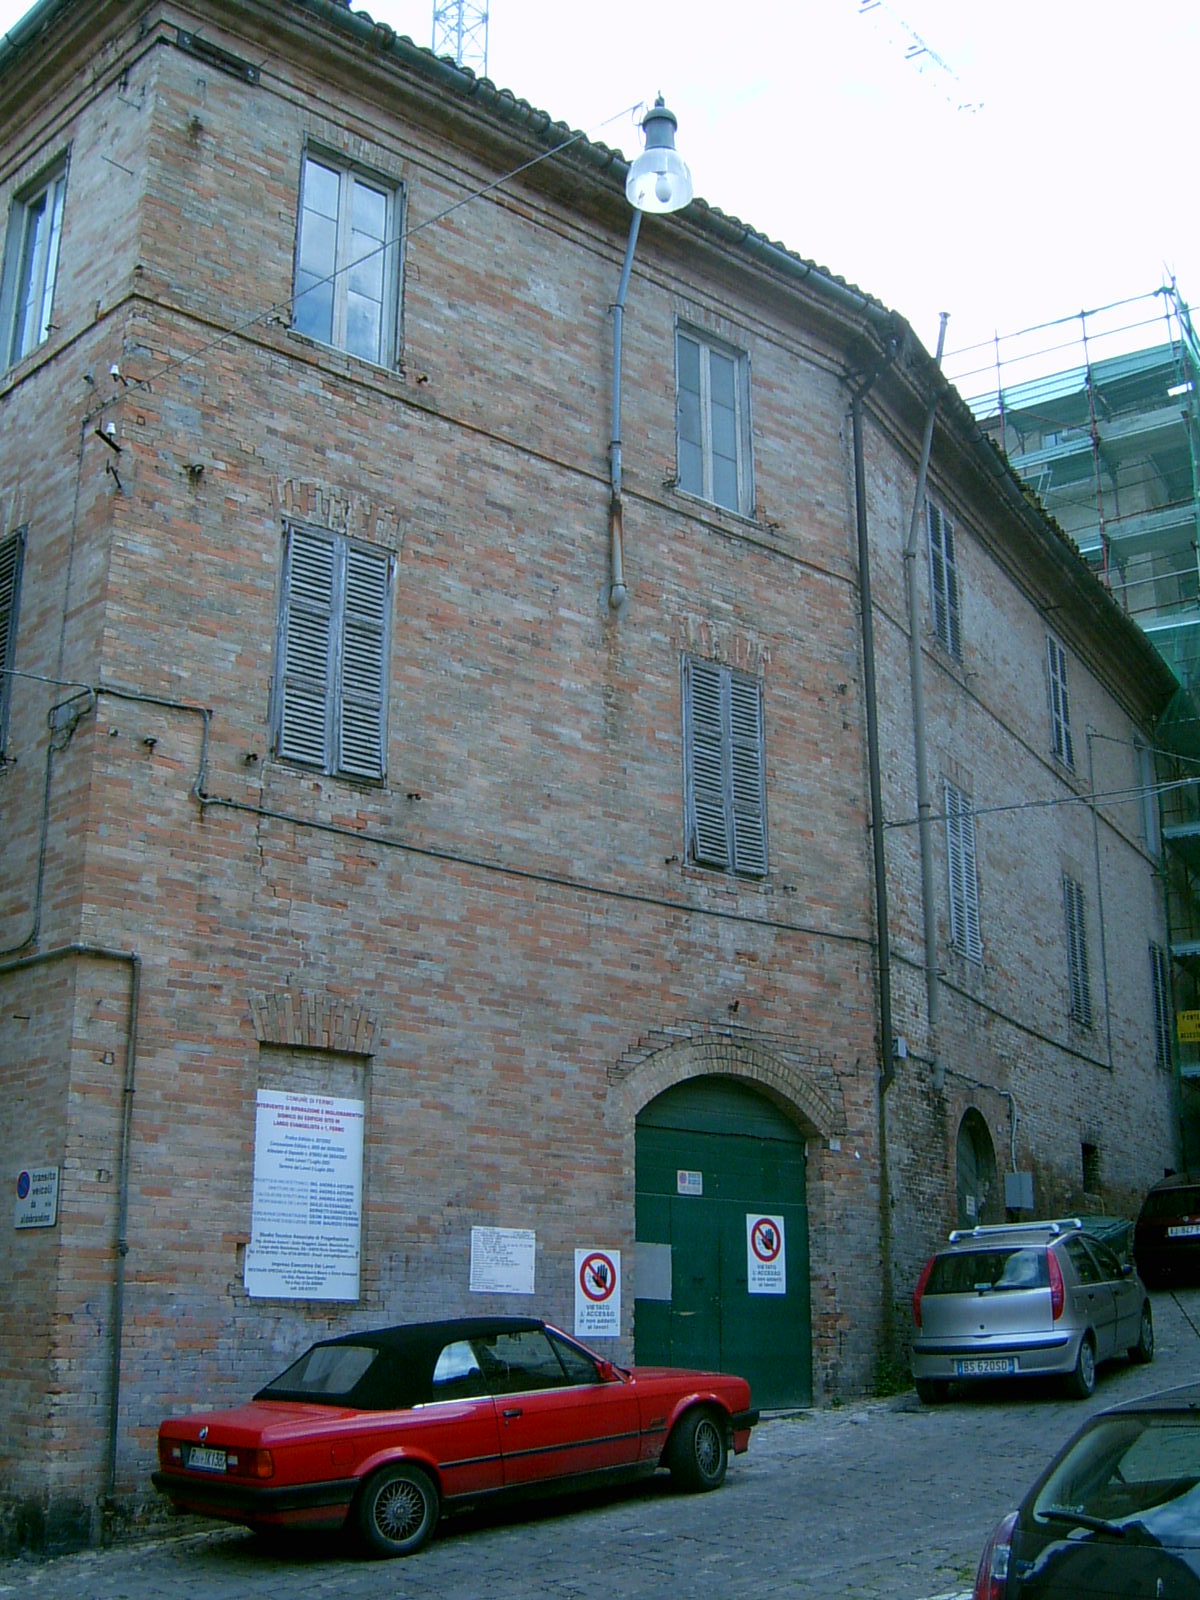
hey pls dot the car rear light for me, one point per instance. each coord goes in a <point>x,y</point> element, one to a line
<point>991,1581</point>
<point>170,1452</point>
<point>250,1463</point>
<point>920,1290</point>
<point>1058,1295</point>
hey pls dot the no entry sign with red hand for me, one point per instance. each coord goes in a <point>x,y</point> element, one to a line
<point>766,1266</point>
<point>598,1293</point>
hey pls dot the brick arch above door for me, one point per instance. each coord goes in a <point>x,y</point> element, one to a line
<point>803,1084</point>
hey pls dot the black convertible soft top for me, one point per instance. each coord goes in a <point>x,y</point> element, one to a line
<point>401,1372</point>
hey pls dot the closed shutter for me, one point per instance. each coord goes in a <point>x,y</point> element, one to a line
<point>726,785</point>
<point>1077,961</point>
<point>364,660</point>
<point>748,785</point>
<point>305,710</point>
<point>12,552</point>
<point>1060,705</point>
<point>964,880</point>
<point>943,582</point>
<point>709,843</point>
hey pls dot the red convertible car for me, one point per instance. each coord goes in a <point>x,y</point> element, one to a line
<point>380,1431</point>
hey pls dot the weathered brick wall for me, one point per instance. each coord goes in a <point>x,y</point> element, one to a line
<point>500,949</point>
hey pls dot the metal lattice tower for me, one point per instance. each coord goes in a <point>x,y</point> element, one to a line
<point>460,30</point>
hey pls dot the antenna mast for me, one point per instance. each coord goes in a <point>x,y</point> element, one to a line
<point>460,30</point>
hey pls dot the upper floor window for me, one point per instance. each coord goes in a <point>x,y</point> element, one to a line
<point>1160,988</point>
<point>943,582</point>
<point>724,769</point>
<point>12,555</point>
<point>31,263</point>
<point>712,383</point>
<point>347,286</point>
<point>964,879</point>
<point>1077,956</point>
<point>1061,741</point>
<point>331,676</point>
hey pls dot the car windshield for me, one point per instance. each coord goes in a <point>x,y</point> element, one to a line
<point>1003,1268</point>
<point>1134,1474</point>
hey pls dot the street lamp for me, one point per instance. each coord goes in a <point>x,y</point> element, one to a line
<point>658,181</point>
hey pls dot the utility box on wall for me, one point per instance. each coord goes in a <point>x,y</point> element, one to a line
<point>1018,1191</point>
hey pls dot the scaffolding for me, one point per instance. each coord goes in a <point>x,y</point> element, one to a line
<point>1099,413</point>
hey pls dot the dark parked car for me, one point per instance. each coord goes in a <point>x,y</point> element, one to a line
<point>1026,1299</point>
<point>1115,1515</point>
<point>1166,1236</point>
<point>380,1431</point>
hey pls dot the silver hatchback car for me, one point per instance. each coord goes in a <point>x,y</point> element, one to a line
<point>1026,1300</point>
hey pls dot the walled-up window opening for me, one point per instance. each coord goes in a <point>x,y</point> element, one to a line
<point>725,794</point>
<point>1090,1156</point>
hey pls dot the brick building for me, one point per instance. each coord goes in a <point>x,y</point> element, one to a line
<point>391,907</point>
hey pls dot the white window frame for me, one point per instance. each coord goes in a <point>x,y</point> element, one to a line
<point>1160,991</point>
<point>963,874</point>
<point>1061,741</point>
<point>332,654</point>
<point>12,561</point>
<point>943,581</point>
<point>725,792</point>
<point>1078,980</point>
<point>352,256</point>
<point>31,257</point>
<point>695,440</point>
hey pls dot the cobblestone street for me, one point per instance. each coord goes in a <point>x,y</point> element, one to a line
<point>877,1498</point>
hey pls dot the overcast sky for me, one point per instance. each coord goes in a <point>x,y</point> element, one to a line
<point>1038,158</point>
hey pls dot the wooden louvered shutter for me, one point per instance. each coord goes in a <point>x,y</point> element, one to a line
<point>709,835</point>
<point>964,881</point>
<point>726,789</point>
<point>1077,960</point>
<point>1062,743</point>
<point>363,664</point>
<point>748,785</point>
<point>943,582</point>
<point>11,553</point>
<point>305,715</point>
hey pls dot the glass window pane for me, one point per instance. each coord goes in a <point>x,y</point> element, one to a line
<point>312,310</point>
<point>318,244</point>
<point>363,322</point>
<point>365,275</point>
<point>368,212</point>
<point>321,185</point>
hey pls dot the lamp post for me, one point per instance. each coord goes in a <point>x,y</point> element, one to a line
<point>658,181</point>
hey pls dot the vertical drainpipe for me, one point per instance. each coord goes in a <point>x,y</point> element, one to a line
<point>888,1071</point>
<point>916,671</point>
<point>1091,732</point>
<point>617,592</point>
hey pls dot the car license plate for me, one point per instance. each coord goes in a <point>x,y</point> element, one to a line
<point>1184,1230</point>
<point>205,1459</point>
<point>986,1367</point>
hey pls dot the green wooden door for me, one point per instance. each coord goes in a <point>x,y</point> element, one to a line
<point>714,1157</point>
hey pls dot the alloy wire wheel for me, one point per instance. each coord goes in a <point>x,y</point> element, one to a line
<point>698,1455</point>
<point>1143,1350</point>
<point>1082,1382</point>
<point>398,1510</point>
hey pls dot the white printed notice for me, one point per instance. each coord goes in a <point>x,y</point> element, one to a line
<point>307,1209</point>
<point>502,1260</point>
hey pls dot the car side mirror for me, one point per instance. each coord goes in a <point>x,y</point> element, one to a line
<point>608,1372</point>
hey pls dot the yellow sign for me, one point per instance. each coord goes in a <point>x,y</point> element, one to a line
<point>1187,1025</point>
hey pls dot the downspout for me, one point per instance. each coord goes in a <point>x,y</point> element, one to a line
<point>131,959</point>
<point>617,593</point>
<point>916,672</point>
<point>888,1071</point>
